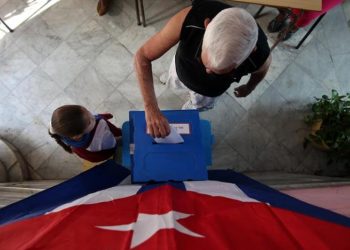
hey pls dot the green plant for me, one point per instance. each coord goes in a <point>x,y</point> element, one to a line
<point>334,114</point>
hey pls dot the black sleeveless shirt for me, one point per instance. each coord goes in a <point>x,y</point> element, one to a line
<point>189,67</point>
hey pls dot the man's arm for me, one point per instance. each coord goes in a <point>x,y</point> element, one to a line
<point>155,47</point>
<point>255,78</point>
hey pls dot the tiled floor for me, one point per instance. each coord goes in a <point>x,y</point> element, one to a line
<point>64,53</point>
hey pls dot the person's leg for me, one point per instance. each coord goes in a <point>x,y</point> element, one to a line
<point>304,18</point>
<point>199,102</point>
<point>195,101</point>
<point>170,78</point>
<point>279,22</point>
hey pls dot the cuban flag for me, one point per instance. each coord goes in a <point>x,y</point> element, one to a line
<point>96,210</point>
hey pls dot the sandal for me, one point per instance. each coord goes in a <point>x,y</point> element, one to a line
<point>286,35</point>
<point>102,7</point>
<point>276,24</point>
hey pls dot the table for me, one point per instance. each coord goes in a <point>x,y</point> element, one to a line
<point>295,4</point>
<point>315,5</point>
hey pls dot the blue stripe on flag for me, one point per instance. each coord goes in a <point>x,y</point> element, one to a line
<point>269,195</point>
<point>103,176</point>
<point>150,186</point>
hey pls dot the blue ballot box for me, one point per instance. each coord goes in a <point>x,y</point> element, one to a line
<point>151,161</point>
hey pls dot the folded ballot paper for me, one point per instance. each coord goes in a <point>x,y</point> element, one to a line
<point>173,138</point>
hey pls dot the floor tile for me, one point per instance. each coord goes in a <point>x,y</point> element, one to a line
<point>331,80</point>
<point>168,100</point>
<point>16,12</point>
<point>15,117</point>
<point>248,101</point>
<point>297,87</point>
<point>14,67</point>
<point>39,155</point>
<point>281,58</point>
<point>248,138</point>
<point>162,64</point>
<point>225,157</point>
<point>222,124</point>
<point>4,90</point>
<point>115,63</point>
<point>64,17</point>
<point>275,157</point>
<point>118,106</point>
<point>63,65</point>
<point>131,91</point>
<point>318,70</point>
<point>341,66</point>
<point>89,40</point>
<point>34,136</point>
<point>37,91</point>
<point>60,165</point>
<point>118,19</point>
<point>89,89</point>
<point>290,130</point>
<point>39,41</point>
<point>338,33</point>
<point>134,37</point>
<point>160,11</point>
<point>267,110</point>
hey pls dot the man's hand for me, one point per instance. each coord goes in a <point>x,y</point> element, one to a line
<point>255,78</point>
<point>157,124</point>
<point>155,47</point>
<point>243,90</point>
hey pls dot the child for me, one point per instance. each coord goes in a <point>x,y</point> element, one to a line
<point>92,137</point>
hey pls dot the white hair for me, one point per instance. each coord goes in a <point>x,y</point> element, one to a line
<point>229,38</point>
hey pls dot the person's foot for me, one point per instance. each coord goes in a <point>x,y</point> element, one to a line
<point>277,24</point>
<point>163,78</point>
<point>189,105</point>
<point>285,35</point>
<point>102,7</point>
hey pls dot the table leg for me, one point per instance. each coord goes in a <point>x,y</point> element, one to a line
<point>290,27</point>
<point>310,30</point>
<point>259,11</point>
<point>137,12</point>
<point>143,13</point>
<point>11,30</point>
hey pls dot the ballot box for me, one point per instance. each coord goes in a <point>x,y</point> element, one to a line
<point>153,161</point>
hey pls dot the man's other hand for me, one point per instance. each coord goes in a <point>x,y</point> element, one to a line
<point>243,90</point>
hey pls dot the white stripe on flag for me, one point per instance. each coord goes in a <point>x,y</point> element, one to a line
<point>113,193</point>
<point>217,188</point>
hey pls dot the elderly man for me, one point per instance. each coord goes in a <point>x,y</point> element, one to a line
<point>218,45</point>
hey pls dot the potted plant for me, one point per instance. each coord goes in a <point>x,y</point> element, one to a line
<point>330,126</point>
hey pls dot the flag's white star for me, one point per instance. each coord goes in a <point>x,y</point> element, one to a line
<point>147,225</point>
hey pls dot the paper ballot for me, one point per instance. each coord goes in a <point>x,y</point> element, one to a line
<point>173,138</point>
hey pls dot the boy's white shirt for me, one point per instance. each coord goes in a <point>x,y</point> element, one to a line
<point>103,138</point>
